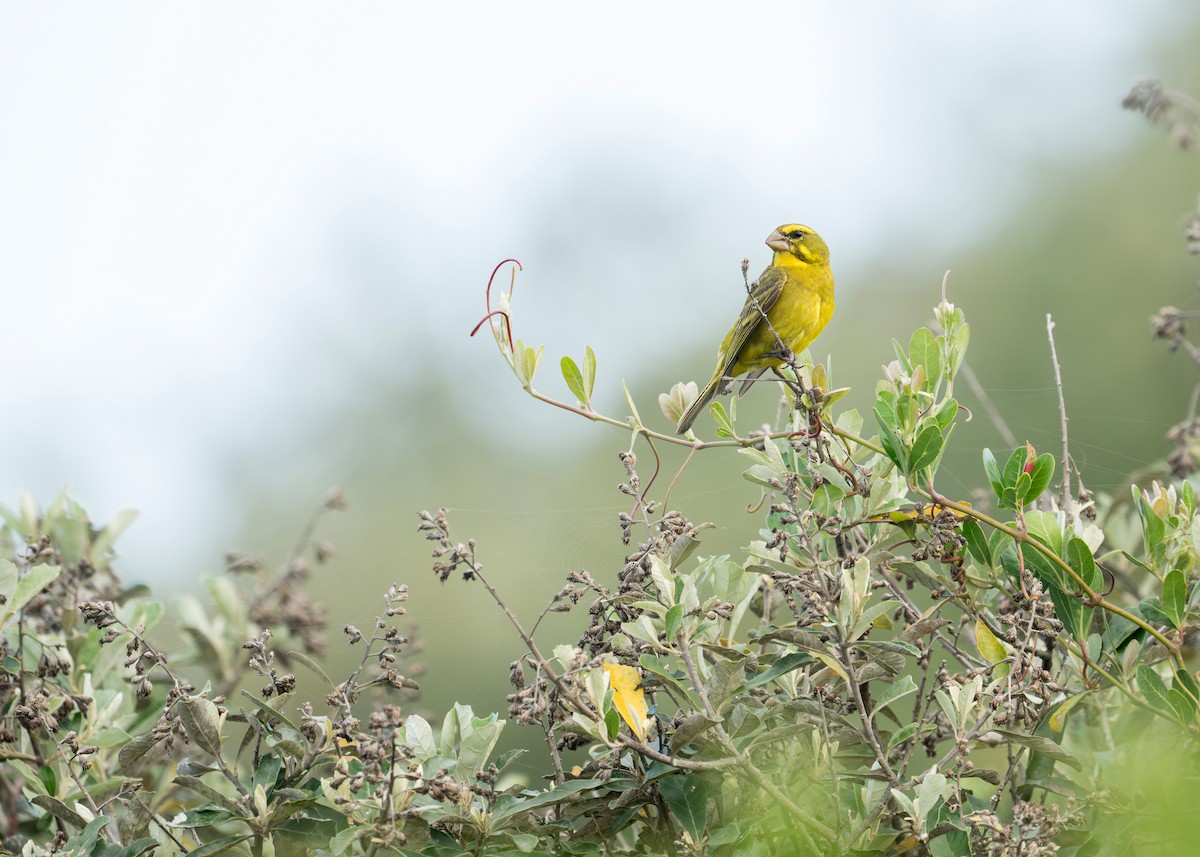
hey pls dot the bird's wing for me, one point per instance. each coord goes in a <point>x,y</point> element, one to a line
<point>765,292</point>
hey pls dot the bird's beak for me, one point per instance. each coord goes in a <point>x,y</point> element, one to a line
<point>776,241</point>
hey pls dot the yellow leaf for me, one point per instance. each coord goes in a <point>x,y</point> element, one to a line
<point>628,698</point>
<point>1058,719</point>
<point>927,511</point>
<point>992,649</point>
<point>832,664</point>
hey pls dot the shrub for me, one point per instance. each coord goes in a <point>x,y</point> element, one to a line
<point>885,670</point>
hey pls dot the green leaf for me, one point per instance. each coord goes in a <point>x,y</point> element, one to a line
<point>1079,557</point>
<point>945,414</point>
<point>574,379</point>
<point>955,843</point>
<point>612,723</point>
<point>677,680</point>
<point>1183,707</point>
<point>904,733</point>
<point>721,418</point>
<point>684,546</point>
<point>1152,611</point>
<point>504,758</point>
<point>312,665</point>
<point>341,844</point>
<point>85,842</point>
<point>977,543</point>
<point>203,723</point>
<point>1174,597</point>
<point>225,843</point>
<point>48,776</point>
<point>1014,467</point>
<point>267,772</point>
<point>1153,529</point>
<point>992,468</point>
<point>525,842</point>
<point>686,796</point>
<point>727,835</point>
<point>693,726</point>
<point>1117,630</point>
<point>1053,722</point>
<point>509,805</point>
<point>926,448</point>
<point>896,690</point>
<point>935,787</point>
<point>885,403</point>
<point>589,372</point>
<point>141,846</point>
<point>826,498</point>
<point>530,360</point>
<point>1043,745</point>
<point>1040,476</point>
<point>418,735</point>
<point>673,622</point>
<point>31,781</point>
<point>1185,682</point>
<point>204,815</point>
<point>1046,528</point>
<point>8,579</point>
<point>727,678</point>
<point>888,438</point>
<point>1021,490</point>
<point>455,725</point>
<point>269,709</point>
<point>923,350</point>
<point>34,581</point>
<point>518,362</point>
<point>476,748</point>
<point>213,795</point>
<point>1154,690</point>
<point>59,810</point>
<point>1075,615</point>
<point>1041,567</point>
<point>782,666</point>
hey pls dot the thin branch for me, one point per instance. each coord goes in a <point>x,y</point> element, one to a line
<point>1094,598</point>
<point>994,415</point>
<point>868,722</point>
<point>667,496</point>
<point>1065,495</point>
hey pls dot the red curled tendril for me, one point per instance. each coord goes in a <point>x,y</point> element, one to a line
<point>488,301</point>
<point>507,324</point>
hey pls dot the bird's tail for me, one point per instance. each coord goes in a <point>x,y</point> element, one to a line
<point>693,411</point>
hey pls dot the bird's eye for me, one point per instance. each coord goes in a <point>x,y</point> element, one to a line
<point>796,233</point>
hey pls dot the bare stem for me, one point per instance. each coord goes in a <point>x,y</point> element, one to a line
<point>1065,495</point>
<point>859,703</point>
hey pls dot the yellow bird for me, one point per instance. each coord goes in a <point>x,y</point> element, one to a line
<point>795,292</point>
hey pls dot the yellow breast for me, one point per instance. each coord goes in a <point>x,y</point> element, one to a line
<point>798,317</point>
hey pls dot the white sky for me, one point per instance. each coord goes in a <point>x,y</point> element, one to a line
<point>201,203</point>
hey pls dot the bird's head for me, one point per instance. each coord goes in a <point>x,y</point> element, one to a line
<point>800,242</point>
